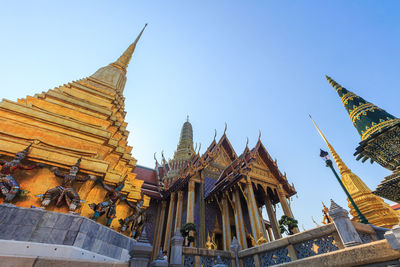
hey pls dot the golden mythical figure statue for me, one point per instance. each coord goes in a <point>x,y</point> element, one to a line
<point>210,244</point>
<point>326,219</point>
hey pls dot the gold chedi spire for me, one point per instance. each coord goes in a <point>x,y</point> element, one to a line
<point>123,61</point>
<point>373,207</point>
<point>185,149</point>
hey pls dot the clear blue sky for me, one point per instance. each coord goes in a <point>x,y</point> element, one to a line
<point>253,64</point>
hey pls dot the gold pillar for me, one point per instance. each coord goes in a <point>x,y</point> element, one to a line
<point>253,212</point>
<point>171,214</point>
<point>239,223</point>
<point>262,224</point>
<point>202,217</point>
<point>271,237</point>
<point>159,230</point>
<point>190,205</point>
<point>272,217</point>
<point>178,218</point>
<point>226,227</point>
<point>285,206</point>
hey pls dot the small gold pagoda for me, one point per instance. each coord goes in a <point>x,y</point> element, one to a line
<point>373,207</point>
<point>84,120</point>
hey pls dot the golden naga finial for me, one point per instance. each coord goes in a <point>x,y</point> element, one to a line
<point>316,224</point>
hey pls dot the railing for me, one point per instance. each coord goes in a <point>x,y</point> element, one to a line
<point>305,244</point>
<point>206,257</point>
<point>324,241</point>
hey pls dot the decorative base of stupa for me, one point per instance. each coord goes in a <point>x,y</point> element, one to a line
<point>389,188</point>
<point>30,232</point>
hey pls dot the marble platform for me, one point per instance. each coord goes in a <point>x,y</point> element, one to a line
<point>33,226</point>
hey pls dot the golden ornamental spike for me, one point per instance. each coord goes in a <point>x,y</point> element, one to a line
<point>123,61</point>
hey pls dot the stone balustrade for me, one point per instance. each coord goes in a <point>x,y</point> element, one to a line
<point>206,257</point>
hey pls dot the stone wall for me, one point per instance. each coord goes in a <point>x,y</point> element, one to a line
<point>46,262</point>
<point>46,227</point>
<point>362,255</point>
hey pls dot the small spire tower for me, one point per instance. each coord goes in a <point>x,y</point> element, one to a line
<point>373,207</point>
<point>368,119</point>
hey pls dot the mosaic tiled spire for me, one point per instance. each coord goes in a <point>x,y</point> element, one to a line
<point>366,117</point>
<point>185,145</point>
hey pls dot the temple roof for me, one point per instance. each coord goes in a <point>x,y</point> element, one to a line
<point>242,165</point>
<point>368,119</point>
<point>234,172</point>
<point>150,186</point>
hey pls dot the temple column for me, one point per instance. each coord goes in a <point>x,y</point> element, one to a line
<point>159,230</point>
<point>178,216</point>
<point>272,217</point>
<point>264,229</point>
<point>271,237</point>
<point>202,213</point>
<point>285,206</point>
<point>239,223</point>
<point>190,205</point>
<point>171,214</point>
<point>253,211</point>
<point>226,228</point>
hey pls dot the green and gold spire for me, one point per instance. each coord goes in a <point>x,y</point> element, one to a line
<point>366,117</point>
<point>373,207</point>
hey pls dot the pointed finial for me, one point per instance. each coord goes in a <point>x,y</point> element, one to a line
<point>198,152</point>
<point>342,167</point>
<point>247,141</point>
<point>259,134</point>
<point>367,118</point>
<point>215,134</point>
<point>187,118</point>
<point>334,205</point>
<point>226,127</point>
<point>195,147</point>
<point>143,237</point>
<point>123,61</point>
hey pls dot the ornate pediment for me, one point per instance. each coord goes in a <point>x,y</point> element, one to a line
<point>261,172</point>
<point>222,158</point>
